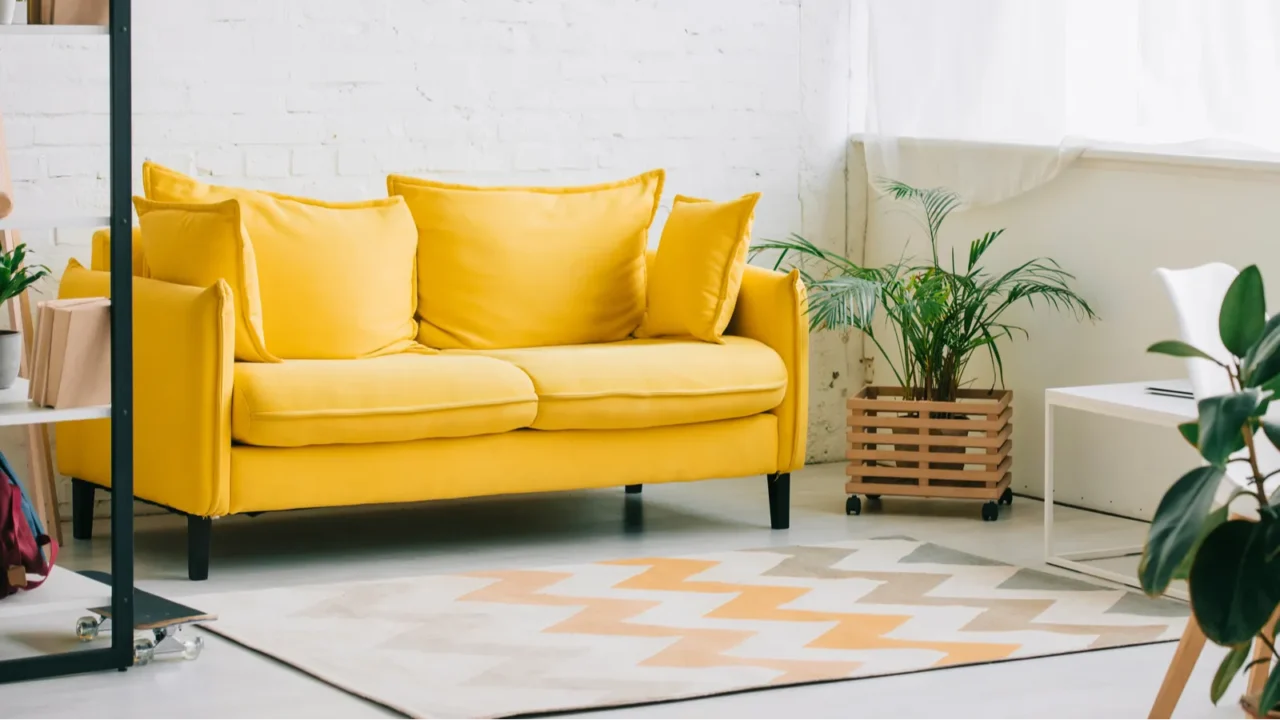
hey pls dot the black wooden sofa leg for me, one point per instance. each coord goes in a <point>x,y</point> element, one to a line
<point>81,509</point>
<point>634,489</point>
<point>199,543</point>
<point>779,500</point>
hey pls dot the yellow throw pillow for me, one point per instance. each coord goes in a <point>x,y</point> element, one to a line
<point>337,279</point>
<point>199,244</point>
<point>698,268</point>
<point>509,267</point>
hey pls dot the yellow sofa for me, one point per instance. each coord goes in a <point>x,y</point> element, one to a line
<point>216,437</point>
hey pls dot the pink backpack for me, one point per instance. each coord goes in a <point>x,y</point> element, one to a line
<point>25,549</point>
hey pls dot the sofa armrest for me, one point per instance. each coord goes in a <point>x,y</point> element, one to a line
<point>772,309</point>
<point>101,257</point>
<point>184,338</point>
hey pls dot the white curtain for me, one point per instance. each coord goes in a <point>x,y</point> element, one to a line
<point>1025,85</point>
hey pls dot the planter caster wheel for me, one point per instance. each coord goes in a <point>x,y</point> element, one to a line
<point>990,511</point>
<point>1006,498</point>
<point>853,505</point>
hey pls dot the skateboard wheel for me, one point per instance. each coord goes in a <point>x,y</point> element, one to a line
<point>191,648</point>
<point>144,651</point>
<point>87,628</point>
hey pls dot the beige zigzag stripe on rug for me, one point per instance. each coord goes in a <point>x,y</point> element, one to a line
<point>501,643</point>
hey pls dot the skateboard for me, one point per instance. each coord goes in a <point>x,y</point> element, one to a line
<point>163,619</point>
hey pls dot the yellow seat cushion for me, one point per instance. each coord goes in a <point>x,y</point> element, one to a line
<point>649,383</point>
<point>386,399</point>
<point>512,267</point>
<point>696,275</point>
<point>200,244</point>
<point>336,279</point>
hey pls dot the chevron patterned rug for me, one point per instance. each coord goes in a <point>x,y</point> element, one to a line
<point>604,634</point>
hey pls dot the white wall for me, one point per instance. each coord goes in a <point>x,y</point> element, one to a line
<point>324,97</point>
<point>1111,223</point>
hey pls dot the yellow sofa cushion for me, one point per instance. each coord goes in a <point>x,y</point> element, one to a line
<point>100,252</point>
<point>523,461</point>
<point>200,244</point>
<point>694,283</point>
<point>336,279</point>
<point>386,399</point>
<point>649,383</point>
<point>512,267</point>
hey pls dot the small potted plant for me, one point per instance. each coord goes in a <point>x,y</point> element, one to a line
<point>1231,563</point>
<point>942,314</point>
<point>15,277</point>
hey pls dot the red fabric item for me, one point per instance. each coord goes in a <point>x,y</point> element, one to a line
<point>21,556</point>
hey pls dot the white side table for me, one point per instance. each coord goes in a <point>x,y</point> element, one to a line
<point>1127,401</point>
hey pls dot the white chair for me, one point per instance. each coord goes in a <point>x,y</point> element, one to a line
<point>1197,295</point>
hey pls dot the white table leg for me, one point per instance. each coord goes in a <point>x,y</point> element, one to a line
<point>1048,480</point>
<point>1071,561</point>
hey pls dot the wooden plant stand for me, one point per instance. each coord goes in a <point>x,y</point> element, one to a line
<point>957,449</point>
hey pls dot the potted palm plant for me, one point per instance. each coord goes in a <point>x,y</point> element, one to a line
<point>1231,562</point>
<point>941,314</point>
<point>15,277</point>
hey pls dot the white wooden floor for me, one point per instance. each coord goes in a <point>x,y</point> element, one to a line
<point>526,531</point>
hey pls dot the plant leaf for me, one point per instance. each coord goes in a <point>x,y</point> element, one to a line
<point>1243,313</point>
<point>1212,521</point>
<point>978,247</point>
<point>1230,588</point>
<point>1262,362</point>
<point>1271,429</point>
<point>1190,432</point>
<point>1222,422</point>
<point>1177,348</point>
<point>1176,526</point>
<point>1231,665</point>
<point>1270,696</point>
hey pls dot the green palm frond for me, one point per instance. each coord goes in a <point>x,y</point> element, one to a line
<point>978,247</point>
<point>806,253</point>
<point>842,302</point>
<point>937,203</point>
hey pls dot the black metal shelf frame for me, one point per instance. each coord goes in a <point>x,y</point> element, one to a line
<point>120,654</point>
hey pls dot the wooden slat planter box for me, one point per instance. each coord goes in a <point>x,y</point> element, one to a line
<point>957,449</point>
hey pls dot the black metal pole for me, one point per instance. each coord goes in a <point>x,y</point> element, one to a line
<point>121,336</point>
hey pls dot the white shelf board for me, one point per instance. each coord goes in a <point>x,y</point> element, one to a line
<point>66,591</point>
<point>53,30</point>
<point>32,222</point>
<point>16,409</point>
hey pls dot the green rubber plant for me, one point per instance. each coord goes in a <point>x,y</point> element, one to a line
<point>1231,564</point>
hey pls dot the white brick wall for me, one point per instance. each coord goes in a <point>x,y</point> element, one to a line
<point>324,97</point>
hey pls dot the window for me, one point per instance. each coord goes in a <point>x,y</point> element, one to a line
<point>1052,72</point>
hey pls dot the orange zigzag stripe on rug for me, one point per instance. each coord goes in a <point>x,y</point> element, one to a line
<point>853,631</point>
<point>695,647</point>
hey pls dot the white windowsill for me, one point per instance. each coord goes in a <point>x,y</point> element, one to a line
<point>1140,157</point>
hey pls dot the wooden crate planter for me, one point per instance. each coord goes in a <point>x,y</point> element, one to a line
<point>957,449</point>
